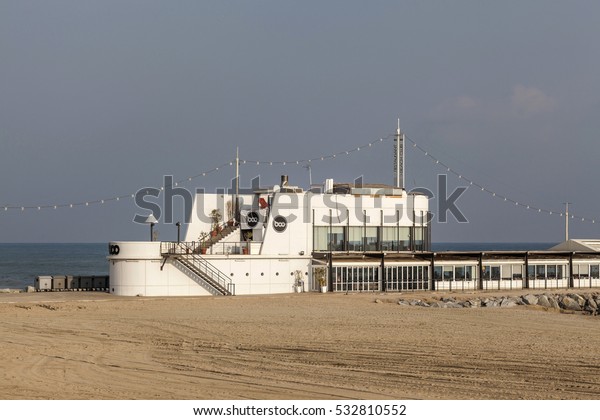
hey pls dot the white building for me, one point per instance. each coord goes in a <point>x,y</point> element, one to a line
<point>277,242</point>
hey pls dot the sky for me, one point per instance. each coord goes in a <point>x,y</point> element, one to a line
<point>100,99</point>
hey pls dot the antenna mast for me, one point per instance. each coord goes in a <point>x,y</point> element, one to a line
<point>237,184</point>
<point>308,167</point>
<point>567,220</point>
<point>399,157</point>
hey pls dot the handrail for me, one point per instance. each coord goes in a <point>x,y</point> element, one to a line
<point>207,237</point>
<point>183,248</point>
<point>219,248</point>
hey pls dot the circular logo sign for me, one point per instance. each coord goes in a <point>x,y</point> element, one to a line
<point>279,223</point>
<point>113,249</point>
<point>252,219</point>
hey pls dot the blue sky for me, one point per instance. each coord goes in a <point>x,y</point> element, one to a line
<point>102,98</point>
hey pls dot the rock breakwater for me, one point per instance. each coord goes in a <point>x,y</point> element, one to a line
<point>587,303</point>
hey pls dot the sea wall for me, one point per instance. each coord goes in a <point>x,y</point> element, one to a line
<point>587,303</point>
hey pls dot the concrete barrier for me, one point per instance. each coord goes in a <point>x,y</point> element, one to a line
<point>100,282</point>
<point>85,282</point>
<point>58,282</point>
<point>43,283</point>
<point>72,282</point>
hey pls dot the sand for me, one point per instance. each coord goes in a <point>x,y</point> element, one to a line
<point>308,346</point>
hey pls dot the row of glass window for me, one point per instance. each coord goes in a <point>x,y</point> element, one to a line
<point>370,238</point>
<point>501,272</point>
<point>586,271</point>
<point>349,278</point>
<point>355,278</point>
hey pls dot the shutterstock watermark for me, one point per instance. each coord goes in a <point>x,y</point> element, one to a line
<point>160,203</point>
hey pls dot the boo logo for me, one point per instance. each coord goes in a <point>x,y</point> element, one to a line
<point>114,249</point>
<point>279,223</point>
<point>252,219</point>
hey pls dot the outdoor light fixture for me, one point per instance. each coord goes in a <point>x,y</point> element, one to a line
<point>152,221</point>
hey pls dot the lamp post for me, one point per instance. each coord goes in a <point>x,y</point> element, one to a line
<point>152,221</point>
<point>178,224</point>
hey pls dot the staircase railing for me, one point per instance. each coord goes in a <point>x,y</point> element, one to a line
<point>184,252</point>
<point>209,239</point>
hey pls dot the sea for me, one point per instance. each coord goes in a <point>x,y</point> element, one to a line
<point>21,263</point>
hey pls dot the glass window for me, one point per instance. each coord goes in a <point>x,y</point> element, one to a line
<point>389,239</point>
<point>337,238</point>
<point>595,271</point>
<point>495,272</point>
<point>551,271</point>
<point>355,238</point>
<point>517,271</point>
<point>486,272</point>
<point>448,273</point>
<point>468,273</point>
<point>418,238</point>
<point>559,271</point>
<point>371,238</point>
<point>404,239</point>
<point>437,272</point>
<point>459,272</point>
<point>506,271</point>
<point>320,238</point>
<point>540,271</point>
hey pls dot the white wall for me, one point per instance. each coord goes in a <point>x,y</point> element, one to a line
<point>136,270</point>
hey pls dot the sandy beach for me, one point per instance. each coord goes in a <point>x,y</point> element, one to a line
<point>298,346</point>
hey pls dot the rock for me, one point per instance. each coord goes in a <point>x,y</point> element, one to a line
<point>543,301</point>
<point>452,305</point>
<point>30,289</point>
<point>591,303</point>
<point>403,303</point>
<point>377,300</point>
<point>465,304</point>
<point>579,299</point>
<point>553,302</point>
<point>5,291</point>
<point>438,305</point>
<point>569,303</point>
<point>508,303</point>
<point>423,304</point>
<point>530,299</point>
<point>475,303</point>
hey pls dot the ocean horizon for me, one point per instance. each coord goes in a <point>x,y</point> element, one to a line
<point>21,263</point>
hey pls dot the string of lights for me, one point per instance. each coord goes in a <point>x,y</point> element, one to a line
<point>88,203</point>
<point>357,149</point>
<point>504,198</point>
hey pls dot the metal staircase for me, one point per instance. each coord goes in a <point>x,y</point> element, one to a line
<point>197,268</point>
<point>209,240</point>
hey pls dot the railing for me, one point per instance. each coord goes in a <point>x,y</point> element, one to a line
<point>187,249</point>
<point>219,248</point>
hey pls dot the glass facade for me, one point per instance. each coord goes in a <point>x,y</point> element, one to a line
<point>407,278</point>
<point>356,278</point>
<point>371,238</point>
<point>453,272</point>
<point>355,239</point>
<point>546,271</point>
<point>368,278</point>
